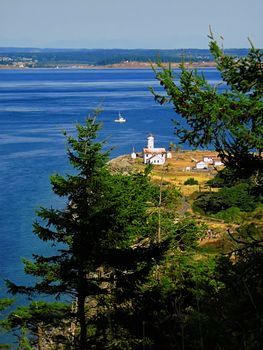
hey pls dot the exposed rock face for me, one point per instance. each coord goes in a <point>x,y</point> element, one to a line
<point>60,338</point>
<point>122,164</point>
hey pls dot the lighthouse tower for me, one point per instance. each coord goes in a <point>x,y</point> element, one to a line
<point>152,155</point>
<point>150,139</point>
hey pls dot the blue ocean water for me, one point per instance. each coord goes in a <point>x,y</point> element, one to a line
<point>35,106</point>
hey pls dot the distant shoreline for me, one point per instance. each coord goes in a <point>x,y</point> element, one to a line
<point>122,65</point>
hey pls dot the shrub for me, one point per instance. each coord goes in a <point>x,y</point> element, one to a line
<point>232,214</point>
<point>191,181</point>
<point>237,196</point>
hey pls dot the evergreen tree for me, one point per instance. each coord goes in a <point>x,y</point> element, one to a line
<point>97,235</point>
<point>220,307</point>
<point>4,304</point>
<point>230,121</point>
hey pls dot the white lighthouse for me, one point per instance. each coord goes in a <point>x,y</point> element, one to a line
<point>150,144</point>
<point>152,155</point>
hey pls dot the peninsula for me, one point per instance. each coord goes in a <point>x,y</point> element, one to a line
<point>105,58</point>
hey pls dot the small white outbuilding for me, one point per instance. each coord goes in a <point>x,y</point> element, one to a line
<point>201,165</point>
<point>133,155</point>
<point>213,161</point>
<point>208,159</point>
<point>169,155</point>
<point>218,162</point>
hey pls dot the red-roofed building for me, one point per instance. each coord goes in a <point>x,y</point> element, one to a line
<point>152,155</point>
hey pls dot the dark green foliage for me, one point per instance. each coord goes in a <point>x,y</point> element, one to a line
<point>256,215</point>
<point>48,320</point>
<point>244,74</point>
<point>232,121</point>
<point>171,196</point>
<point>38,311</point>
<point>97,236</point>
<point>231,215</point>
<point>191,181</point>
<point>224,177</point>
<point>199,301</point>
<point>249,234</point>
<point>185,234</point>
<point>169,305</point>
<point>146,320</point>
<point>237,196</point>
<point>238,308</point>
<point>4,304</point>
<point>204,302</point>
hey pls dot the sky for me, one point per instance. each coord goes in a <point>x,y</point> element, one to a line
<point>162,24</point>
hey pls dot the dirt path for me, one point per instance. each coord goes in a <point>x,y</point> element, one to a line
<point>185,206</point>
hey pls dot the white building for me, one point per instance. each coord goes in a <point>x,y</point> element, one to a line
<point>201,165</point>
<point>169,155</point>
<point>208,159</point>
<point>218,162</point>
<point>213,161</point>
<point>133,155</point>
<point>152,155</point>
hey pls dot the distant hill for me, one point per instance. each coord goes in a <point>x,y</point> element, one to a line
<point>46,57</point>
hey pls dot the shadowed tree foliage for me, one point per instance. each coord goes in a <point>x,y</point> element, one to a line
<point>4,304</point>
<point>97,238</point>
<point>222,308</point>
<point>33,324</point>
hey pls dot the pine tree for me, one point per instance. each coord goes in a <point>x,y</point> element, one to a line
<point>230,121</point>
<point>96,235</point>
<point>4,304</point>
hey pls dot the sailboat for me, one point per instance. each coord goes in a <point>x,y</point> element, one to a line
<point>120,119</point>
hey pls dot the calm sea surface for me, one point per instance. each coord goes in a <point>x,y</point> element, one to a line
<point>35,106</point>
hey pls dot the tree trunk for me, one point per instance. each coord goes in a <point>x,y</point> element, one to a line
<point>82,322</point>
<point>83,345</point>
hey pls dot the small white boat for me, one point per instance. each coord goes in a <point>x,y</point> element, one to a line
<point>120,119</point>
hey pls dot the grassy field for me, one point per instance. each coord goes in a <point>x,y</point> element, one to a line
<point>174,170</point>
